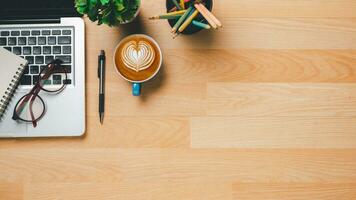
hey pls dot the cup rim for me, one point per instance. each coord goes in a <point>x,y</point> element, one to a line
<point>160,53</point>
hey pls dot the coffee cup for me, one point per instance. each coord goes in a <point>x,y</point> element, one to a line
<point>137,59</point>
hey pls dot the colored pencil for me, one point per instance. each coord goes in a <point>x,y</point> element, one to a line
<point>177,4</point>
<point>166,16</point>
<point>181,19</point>
<point>188,20</point>
<point>176,12</point>
<point>205,15</point>
<point>171,15</point>
<point>182,4</point>
<point>173,9</point>
<point>201,25</point>
<point>216,21</point>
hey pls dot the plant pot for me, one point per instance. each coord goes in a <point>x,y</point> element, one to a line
<point>134,16</point>
<point>191,29</point>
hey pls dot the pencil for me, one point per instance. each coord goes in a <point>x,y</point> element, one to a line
<point>216,21</point>
<point>173,9</point>
<point>181,19</point>
<point>177,4</point>
<point>182,4</point>
<point>175,35</point>
<point>188,20</point>
<point>201,25</point>
<point>166,16</point>
<point>206,16</point>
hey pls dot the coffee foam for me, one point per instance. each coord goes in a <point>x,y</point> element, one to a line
<point>129,70</point>
<point>138,55</point>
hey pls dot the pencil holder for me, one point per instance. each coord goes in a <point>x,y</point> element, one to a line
<point>191,29</point>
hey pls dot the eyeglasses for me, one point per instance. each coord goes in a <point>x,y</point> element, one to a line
<point>31,107</point>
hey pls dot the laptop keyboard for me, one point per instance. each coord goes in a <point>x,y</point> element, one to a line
<point>39,46</point>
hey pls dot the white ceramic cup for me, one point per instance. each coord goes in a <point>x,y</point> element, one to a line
<point>136,85</point>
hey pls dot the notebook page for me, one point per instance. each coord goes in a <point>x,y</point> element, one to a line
<point>9,64</point>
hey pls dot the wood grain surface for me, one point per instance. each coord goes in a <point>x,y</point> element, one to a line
<point>264,108</point>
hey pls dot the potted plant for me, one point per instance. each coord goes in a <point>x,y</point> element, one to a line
<point>110,12</point>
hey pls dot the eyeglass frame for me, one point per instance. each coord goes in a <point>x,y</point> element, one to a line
<point>34,92</point>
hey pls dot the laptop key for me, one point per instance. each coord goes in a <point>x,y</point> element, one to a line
<point>34,69</point>
<point>5,33</point>
<point>46,32</point>
<point>42,67</point>
<point>26,51</point>
<point>16,50</point>
<point>32,41</point>
<point>35,79</point>
<point>8,48</point>
<point>42,40</point>
<point>51,40</point>
<point>15,33</point>
<point>21,41</point>
<point>3,42</point>
<point>56,32</point>
<point>25,80</point>
<point>47,50</point>
<point>67,81</point>
<point>39,60</point>
<point>11,41</point>
<point>65,59</point>
<point>27,70</point>
<point>47,82</point>
<point>35,32</point>
<point>29,59</point>
<point>37,50</point>
<point>49,59</point>
<point>64,40</point>
<point>57,79</point>
<point>66,32</point>
<point>67,49</point>
<point>59,69</point>
<point>57,50</point>
<point>25,33</point>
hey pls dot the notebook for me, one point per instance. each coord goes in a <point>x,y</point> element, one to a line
<point>11,69</point>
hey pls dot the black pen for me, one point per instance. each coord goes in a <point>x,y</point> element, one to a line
<point>101,75</point>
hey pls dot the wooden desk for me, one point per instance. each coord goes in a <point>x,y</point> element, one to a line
<point>263,109</point>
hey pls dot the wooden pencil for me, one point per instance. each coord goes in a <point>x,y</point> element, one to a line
<point>212,16</point>
<point>181,19</point>
<point>171,15</point>
<point>176,12</point>
<point>201,25</point>
<point>205,15</point>
<point>182,4</point>
<point>166,17</point>
<point>173,9</point>
<point>188,20</point>
<point>175,2</point>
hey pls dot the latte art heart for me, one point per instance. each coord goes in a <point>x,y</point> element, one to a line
<point>138,56</point>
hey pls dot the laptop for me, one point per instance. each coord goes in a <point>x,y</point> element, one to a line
<point>40,31</point>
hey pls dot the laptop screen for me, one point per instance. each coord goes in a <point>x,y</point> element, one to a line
<point>36,9</point>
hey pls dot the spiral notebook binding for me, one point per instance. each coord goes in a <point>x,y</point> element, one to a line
<point>6,98</point>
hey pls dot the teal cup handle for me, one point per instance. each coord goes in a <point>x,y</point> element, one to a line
<point>136,89</point>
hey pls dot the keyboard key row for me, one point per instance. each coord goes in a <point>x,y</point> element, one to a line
<point>51,40</point>
<point>38,50</point>
<point>36,32</point>
<point>36,69</point>
<point>33,79</point>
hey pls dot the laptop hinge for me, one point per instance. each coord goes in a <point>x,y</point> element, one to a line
<point>29,21</point>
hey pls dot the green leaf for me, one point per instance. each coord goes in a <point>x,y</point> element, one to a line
<point>104,2</point>
<point>110,12</point>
